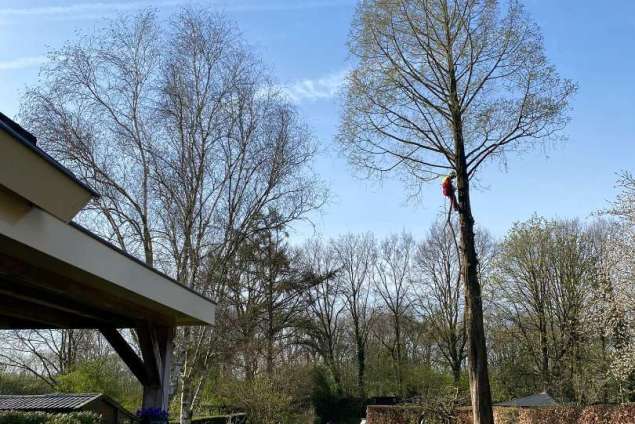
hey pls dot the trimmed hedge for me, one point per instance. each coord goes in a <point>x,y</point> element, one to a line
<point>15,417</point>
<point>596,414</point>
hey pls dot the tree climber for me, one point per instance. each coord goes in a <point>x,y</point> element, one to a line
<point>447,188</point>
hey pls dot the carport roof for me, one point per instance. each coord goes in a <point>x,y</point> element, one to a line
<point>55,273</point>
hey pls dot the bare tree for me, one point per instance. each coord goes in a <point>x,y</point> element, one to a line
<point>356,256</point>
<point>440,294</point>
<point>324,321</point>
<point>392,281</point>
<point>94,113</point>
<point>190,144</point>
<point>444,86</point>
<point>47,354</point>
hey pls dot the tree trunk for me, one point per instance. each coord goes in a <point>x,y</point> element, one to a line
<point>398,354</point>
<point>456,372</point>
<point>269,358</point>
<point>186,385</point>
<point>186,401</point>
<point>361,367</point>
<point>476,345</point>
<point>544,351</point>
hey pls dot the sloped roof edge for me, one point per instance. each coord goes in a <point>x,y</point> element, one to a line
<point>29,140</point>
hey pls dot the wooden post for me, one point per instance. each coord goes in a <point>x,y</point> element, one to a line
<point>153,371</point>
<point>157,344</point>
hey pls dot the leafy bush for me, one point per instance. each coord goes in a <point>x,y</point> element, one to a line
<point>24,418</point>
<point>75,418</point>
<point>262,399</point>
<point>104,375</point>
<point>20,383</point>
<point>13,417</point>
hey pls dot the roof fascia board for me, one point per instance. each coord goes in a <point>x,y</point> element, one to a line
<point>41,231</point>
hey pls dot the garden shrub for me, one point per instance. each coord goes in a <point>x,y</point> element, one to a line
<point>15,417</point>
<point>105,375</point>
<point>75,418</point>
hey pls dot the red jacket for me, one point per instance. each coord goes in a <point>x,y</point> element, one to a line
<point>446,187</point>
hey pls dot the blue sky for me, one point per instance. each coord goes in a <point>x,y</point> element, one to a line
<point>304,44</point>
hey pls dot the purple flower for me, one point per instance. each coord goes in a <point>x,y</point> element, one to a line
<point>156,413</point>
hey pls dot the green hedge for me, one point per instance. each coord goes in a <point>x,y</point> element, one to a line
<point>13,417</point>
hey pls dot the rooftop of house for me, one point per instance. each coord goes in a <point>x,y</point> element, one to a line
<point>51,402</point>
<point>533,401</point>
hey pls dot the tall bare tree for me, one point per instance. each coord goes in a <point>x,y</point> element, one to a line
<point>323,325</point>
<point>190,144</point>
<point>392,281</point>
<point>445,86</point>
<point>356,257</point>
<point>440,294</point>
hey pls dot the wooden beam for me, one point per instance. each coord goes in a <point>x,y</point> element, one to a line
<point>12,323</point>
<point>41,300</point>
<point>127,354</point>
<point>45,316</point>
<point>153,371</point>
<point>16,271</point>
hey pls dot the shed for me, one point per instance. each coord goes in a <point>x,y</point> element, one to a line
<point>111,411</point>
<point>56,274</point>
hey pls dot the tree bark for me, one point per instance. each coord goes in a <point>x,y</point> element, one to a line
<point>544,351</point>
<point>476,344</point>
<point>361,367</point>
<point>186,402</point>
<point>456,373</point>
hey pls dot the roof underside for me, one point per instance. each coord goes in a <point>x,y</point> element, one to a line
<point>56,275</point>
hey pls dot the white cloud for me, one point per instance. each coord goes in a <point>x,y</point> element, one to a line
<point>325,87</point>
<point>21,62</point>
